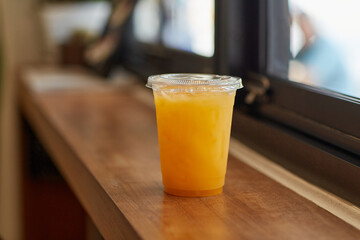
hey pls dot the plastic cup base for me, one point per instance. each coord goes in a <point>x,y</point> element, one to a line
<point>191,193</point>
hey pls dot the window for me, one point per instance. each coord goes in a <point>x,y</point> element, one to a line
<point>324,48</point>
<point>177,24</point>
<point>314,109</point>
<point>307,127</point>
<point>259,49</point>
<point>171,36</point>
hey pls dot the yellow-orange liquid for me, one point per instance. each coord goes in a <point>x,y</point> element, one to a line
<point>194,134</point>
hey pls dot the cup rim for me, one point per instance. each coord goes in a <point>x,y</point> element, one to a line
<point>194,79</point>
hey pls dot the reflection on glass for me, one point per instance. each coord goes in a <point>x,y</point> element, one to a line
<point>180,24</point>
<point>62,20</point>
<point>189,26</point>
<point>147,21</point>
<point>325,44</point>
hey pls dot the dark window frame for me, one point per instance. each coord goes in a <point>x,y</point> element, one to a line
<point>326,115</point>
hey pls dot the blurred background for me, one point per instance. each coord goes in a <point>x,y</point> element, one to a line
<point>145,37</point>
<point>324,44</point>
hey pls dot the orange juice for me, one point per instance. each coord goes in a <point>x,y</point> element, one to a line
<point>194,134</point>
<point>193,113</point>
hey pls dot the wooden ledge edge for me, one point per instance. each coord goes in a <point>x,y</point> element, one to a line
<point>339,207</point>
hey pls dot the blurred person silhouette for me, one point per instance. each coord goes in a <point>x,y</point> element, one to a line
<point>106,51</point>
<point>318,62</point>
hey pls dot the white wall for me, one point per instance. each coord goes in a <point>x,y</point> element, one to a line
<point>20,30</point>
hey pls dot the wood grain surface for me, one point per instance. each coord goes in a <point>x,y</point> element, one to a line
<point>104,142</point>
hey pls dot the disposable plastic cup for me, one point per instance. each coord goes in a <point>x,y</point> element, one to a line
<point>194,113</point>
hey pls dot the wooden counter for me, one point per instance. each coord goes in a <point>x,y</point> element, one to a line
<point>103,140</point>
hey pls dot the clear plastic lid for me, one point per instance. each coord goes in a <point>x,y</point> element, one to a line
<point>196,80</point>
